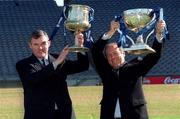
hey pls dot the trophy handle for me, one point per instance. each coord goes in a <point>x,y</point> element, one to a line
<point>65,9</point>
<point>130,39</point>
<point>149,35</point>
<point>161,14</point>
<point>120,32</point>
<point>91,14</point>
<point>161,17</point>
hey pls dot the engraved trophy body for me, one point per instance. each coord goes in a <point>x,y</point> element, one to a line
<point>136,20</point>
<point>78,20</point>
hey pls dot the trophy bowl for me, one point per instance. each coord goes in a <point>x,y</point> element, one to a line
<point>78,20</point>
<point>135,20</point>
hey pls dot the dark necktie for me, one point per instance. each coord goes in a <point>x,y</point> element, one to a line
<point>43,62</point>
<point>117,112</point>
<point>116,73</point>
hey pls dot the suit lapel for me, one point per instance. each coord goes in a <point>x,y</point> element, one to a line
<point>51,58</point>
<point>35,63</point>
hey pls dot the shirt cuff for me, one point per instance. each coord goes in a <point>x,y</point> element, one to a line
<point>83,53</point>
<point>106,37</point>
<point>159,38</point>
<point>54,65</point>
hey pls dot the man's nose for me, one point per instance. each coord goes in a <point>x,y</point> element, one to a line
<point>112,56</point>
<point>40,47</point>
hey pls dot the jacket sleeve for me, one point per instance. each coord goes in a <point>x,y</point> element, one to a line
<point>99,59</point>
<point>74,66</point>
<point>143,66</point>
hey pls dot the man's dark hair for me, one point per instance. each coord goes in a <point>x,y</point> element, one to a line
<point>38,33</point>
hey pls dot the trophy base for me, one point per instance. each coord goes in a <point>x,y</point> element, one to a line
<point>78,49</point>
<point>139,49</point>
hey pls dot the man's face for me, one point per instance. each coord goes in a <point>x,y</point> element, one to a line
<point>40,46</point>
<point>115,56</point>
<point>79,39</point>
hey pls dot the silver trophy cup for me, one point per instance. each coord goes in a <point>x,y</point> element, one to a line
<point>78,20</point>
<point>135,20</point>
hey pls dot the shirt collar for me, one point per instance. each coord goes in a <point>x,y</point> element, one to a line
<point>46,58</point>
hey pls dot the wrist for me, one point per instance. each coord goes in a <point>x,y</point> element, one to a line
<point>56,63</point>
<point>111,32</point>
<point>159,37</point>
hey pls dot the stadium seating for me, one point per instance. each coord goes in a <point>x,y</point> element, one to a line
<point>19,17</point>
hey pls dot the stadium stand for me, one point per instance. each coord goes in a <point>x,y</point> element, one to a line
<point>19,17</point>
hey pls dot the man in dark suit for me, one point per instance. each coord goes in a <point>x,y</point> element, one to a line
<point>43,77</point>
<point>123,96</point>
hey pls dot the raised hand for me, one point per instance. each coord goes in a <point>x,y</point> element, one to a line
<point>160,27</point>
<point>62,56</point>
<point>113,27</point>
<point>79,39</point>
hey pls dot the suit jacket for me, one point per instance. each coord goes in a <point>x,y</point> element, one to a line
<point>127,85</point>
<point>43,86</point>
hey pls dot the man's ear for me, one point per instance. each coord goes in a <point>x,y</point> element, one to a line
<point>122,51</point>
<point>49,42</point>
<point>30,46</point>
<point>104,52</point>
